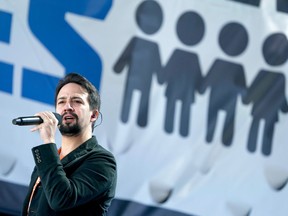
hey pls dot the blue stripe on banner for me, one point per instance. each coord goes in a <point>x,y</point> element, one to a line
<point>11,198</point>
<point>6,77</point>
<point>39,87</point>
<point>131,208</point>
<point>5,26</point>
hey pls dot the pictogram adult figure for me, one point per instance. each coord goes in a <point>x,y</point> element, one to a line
<point>182,72</point>
<point>267,93</point>
<point>142,58</point>
<point>226,80</point>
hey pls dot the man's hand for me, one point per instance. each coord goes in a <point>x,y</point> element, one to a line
<point>47,129</point>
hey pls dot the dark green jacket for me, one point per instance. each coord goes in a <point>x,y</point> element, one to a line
<point>82,183</point>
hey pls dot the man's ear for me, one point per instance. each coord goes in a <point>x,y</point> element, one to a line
<point>94,115</point>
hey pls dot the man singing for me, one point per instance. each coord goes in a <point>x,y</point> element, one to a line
<point>80,177</point>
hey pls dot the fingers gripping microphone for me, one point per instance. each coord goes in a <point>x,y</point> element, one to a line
<point>33,120</point>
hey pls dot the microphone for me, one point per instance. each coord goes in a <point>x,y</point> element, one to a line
<point>33,120</point>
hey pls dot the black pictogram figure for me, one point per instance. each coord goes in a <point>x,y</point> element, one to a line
<point>182,72</point>
<point>226,80</point>
<point>249,2</point>
<point>282,6</point>
<point>142,58</point>
<point>267,93</point>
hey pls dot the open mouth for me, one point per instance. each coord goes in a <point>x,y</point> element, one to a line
<point>68,118</point>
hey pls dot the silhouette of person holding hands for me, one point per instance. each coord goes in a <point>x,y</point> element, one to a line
<point>267,93</point>
<point>226,80</point>
<point>182,73</point>
<point>143,59</point>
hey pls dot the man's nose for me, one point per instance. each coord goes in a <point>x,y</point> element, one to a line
<point>68,106</point>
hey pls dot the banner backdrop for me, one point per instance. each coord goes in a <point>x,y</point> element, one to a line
<point>194,98</point>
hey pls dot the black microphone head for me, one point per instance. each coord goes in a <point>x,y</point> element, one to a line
<point>58,117</point>
<point>14,121</point>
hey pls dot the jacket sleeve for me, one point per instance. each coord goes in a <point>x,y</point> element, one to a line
<point>91,178</point>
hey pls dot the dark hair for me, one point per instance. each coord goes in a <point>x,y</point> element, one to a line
<point>93,94</point>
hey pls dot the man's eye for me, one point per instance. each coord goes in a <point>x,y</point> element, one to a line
<point>60,102</point>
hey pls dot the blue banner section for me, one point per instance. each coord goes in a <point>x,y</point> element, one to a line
<point>193,96</point>
<point>6,77</point>
<point>129,208</point>
<point>11,198</point>
<point>5,26</point>
<point>63,42</point>
<point>34,82</point>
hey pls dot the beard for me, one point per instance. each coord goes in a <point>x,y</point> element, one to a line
<point>70,129</point>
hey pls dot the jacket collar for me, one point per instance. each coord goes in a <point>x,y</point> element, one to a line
<point>84,148</point>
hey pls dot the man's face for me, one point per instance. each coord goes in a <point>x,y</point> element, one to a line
<point>72,104</point>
